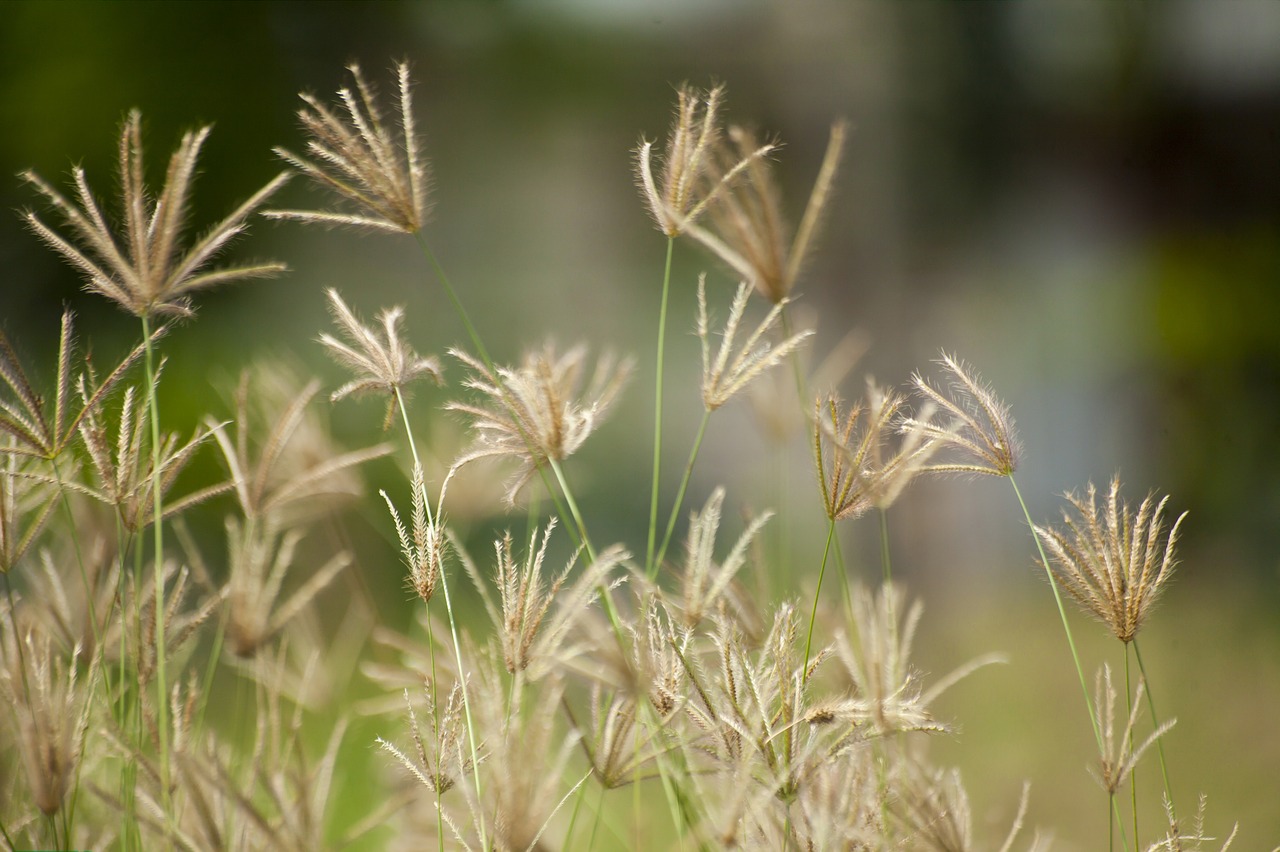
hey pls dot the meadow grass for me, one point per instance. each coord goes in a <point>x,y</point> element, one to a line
<point>168,691</point>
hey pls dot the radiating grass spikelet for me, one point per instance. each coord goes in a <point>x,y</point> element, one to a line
<point>144,269</point>
<point>1113,562</point>
<point>722,378</point>
<point>51,701</point>
<point>383,364</point>
<point>690,178</point>
<point>42,432</point>
<point>981,429</point>
<point>381,175</point>
<point>538,411</point>
<point>748,230</point>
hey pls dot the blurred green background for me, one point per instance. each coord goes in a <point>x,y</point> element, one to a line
<point>1082,199</point>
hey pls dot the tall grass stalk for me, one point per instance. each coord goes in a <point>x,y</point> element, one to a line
<point>649,561</point>
<point>453,630</point>
<point>157,517</point>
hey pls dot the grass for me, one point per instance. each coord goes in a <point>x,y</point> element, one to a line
<point>168,690</point>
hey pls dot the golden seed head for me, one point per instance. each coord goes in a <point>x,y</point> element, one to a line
<point>145,270</point>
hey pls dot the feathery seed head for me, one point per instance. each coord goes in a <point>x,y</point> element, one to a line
<point>981,428</point>
<point>439,760</point>
<point>144,269</point>
<point>704,584</point>
<point>748,231</point>
<point>351,152</point>
<point>295,460</point>
<point>124,469</point>
<point>690,179</point>
<point>721,378</point>
<point>260,558</point>
<point>37,430</point>
<point>1119,754</point>
<point>51,708</point>
<point>424,551</point>
<point>1112,560</point>
<point>535,639</point>
<point>381,363</point>
<point>860,471</point>
<point>538,411</point>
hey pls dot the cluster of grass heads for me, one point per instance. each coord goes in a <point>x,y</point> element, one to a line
<point>159,695</point>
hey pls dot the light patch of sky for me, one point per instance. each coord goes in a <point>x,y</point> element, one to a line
<point>629,14</point>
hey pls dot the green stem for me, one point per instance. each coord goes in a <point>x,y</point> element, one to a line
<point>887,570</point>
<point>1133,773</point>
<point>657,410</point>
<point>813,616</point>
<point>1062,612</point>
<point>162,689</point>
<point>435,714</point>
<point>684,486</point>
<point>453,626</point>
<point>453,298</point>
<point>1155,721</point>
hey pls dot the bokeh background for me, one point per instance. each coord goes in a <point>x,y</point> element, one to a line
<point>1082,199</point>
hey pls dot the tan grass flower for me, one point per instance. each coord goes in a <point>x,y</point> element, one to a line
<point>753,703</point>
<point>382,175</point>
<point>539,411</point>
<point>296,462</point>
<point>688,181</point>
<point>41,432</point>
<point>704,584</point>
<point>531,642</point>
<point>145,270</point>
<point>617,747</point>
<point>722,379</point>
<point>1189,838</point>
<point>260,557</point>
<point>1119,753</point>
<point>180,621</point>
<point>1113,563</point>
<point>888,695</point>
<point>981,429</point>
<point>26,501</point>
<point>860,471</point>
<point>933,808</point>
<point>748,231</point>
<point>386,365</point>
<point>524,767</point>
<point>424,551</point>
<point>440,759</point>
<point>51,707</point>
<point>123,466</point>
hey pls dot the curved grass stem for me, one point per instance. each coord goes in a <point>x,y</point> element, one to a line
<point>813,616</point>
<point>162,690</point>
<point>1155,721</point>
<point>657,410</point>
<point>1062,612</point>
<point>684,486</point>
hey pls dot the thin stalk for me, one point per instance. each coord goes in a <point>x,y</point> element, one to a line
<point>1155,721</point>
<point>162,688</point>
<point>453,626</point>
<point>813,616</point>
<point>1062,612</point>
<point>887,569</point>
<point>488,361</point>
<point>435,713</point>
<point>1133,773</point>
<point>684,485</point>
<point>595,824</point>
<point>657,409</point>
